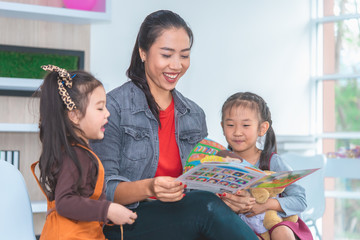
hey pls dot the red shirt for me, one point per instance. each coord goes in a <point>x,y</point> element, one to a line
<point>169,156</point>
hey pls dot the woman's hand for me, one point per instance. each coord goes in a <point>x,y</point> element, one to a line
<point>166,189</point>
<point>240,202</point>
<point>119,214</point>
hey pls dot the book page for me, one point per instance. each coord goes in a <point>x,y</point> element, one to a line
<point>221,177</point>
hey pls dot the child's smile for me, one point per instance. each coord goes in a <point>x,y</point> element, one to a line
<point>241,129</point>
<point>95,119</point>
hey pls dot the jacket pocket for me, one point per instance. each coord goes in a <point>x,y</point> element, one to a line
<point>137,143</point>
<point>191,136</point>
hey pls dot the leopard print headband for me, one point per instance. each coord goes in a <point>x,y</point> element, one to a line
<point>63,78</point>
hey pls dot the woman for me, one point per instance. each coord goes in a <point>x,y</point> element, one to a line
<point>152,129</point>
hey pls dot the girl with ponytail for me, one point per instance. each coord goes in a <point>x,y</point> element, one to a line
<point>246,119</point>
<point>73,111</point>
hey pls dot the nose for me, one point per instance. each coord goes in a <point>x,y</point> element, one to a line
<point>107,113</point>
<point>238,131</point>
<point>176,63</point>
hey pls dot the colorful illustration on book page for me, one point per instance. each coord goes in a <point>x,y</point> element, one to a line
<point>220,178</point>
<point>282,179</point>
<point>205,147</point>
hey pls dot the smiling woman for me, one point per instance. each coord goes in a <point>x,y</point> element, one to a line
<point>152,129</point>
<point>165,63</point>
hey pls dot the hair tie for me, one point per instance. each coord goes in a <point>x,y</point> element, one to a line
<point>62,79</point>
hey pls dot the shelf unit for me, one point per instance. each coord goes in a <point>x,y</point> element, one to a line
<point>19,127</point>
<point>23,84</point>
<point>45,13</point>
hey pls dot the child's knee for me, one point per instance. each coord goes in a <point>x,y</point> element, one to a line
<point>282,232</point>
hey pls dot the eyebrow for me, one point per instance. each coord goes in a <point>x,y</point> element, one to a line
<point>99,102</point>
<point>173,50</point>
<point>243,120</point>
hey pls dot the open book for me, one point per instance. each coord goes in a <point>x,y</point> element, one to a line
<point>205,170</point>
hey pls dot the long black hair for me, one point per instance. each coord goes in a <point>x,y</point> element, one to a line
<point>257,103</point>
<point>57,132</point>
<point>151,28</point>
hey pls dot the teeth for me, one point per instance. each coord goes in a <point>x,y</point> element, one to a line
<point>171,75</point>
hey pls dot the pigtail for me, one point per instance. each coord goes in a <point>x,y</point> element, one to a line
<point>269,148</point>
<point>270,139</point>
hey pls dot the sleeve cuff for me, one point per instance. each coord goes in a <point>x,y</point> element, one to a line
<point>111,184</point>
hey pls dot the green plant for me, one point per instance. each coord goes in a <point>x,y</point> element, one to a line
<point>27,65</point>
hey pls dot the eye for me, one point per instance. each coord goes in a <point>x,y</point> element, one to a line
<point>246,125</point>
<point>166,56</point>
<point>185,56</point>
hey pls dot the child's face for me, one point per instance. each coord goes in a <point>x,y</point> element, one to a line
<point>241,129</point>
<point>92,124</point>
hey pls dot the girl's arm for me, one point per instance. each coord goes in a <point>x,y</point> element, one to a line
<point>69,202</point>
<point>293,199</point>
<point>270,204</point>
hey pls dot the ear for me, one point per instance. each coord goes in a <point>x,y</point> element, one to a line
<point>142,54</point>
<point>263,128</point>
<point>222,126</point>
<point>73,116</point>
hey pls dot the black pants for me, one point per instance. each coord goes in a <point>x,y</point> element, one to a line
<point>198,216</point>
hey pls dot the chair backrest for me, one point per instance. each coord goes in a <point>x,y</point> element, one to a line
<point>313,183</point>
<point>16,220</point>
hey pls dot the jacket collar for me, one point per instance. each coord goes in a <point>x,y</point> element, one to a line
<point>139,103</point>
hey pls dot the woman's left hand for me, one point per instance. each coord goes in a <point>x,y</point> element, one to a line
<point>240,202</point>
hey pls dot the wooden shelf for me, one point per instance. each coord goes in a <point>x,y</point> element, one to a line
<point>45,13</point>
<point>22,84</point>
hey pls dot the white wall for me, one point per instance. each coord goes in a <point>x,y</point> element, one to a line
<point>259,45</point>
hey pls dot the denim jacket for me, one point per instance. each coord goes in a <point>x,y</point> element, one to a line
<point>130,148</point>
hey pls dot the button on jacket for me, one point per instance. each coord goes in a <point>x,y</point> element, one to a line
<point>130,148</point>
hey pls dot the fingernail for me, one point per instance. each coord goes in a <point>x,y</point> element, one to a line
<point>181,183</point>
<point>224,194</point>
<point>185,186</point>
<point>184,194</point>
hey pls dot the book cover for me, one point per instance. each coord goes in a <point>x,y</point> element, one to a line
<point>205,170</point>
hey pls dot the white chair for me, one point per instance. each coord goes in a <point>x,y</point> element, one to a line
<point>16,219</point>
<point>313,184</point>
